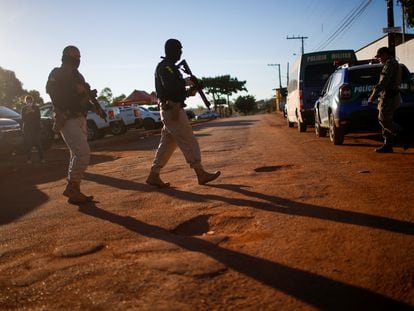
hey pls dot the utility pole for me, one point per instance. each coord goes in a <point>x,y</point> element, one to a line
<point>403,20</point>
<point>280,79</point>
<point>278,91</point>
<point>302,38</point>
<point>287,75</point>
<point>390,18</point>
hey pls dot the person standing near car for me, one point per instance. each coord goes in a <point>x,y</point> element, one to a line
<point>388,89</point>
<point>31,128</point>
<point>177,131</point>
<point>70,97</point>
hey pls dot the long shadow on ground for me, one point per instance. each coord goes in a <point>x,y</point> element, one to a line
<point>267,203</point>
<point>311,288</point>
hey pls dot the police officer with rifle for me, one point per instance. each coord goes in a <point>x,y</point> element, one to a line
<point>72,98</point>
<point>177,131</point>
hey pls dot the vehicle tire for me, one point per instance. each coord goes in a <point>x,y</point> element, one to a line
<point>118,128</point>
<point>301,127</point>
<point>92,131</point>
<point>149,124</point>
<point>289,124</point>
<point>336,134</point>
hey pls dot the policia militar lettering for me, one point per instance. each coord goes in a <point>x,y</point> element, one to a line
<point>177,131</point>
<point>72,98</point>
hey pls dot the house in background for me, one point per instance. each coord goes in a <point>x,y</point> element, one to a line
<point>403,51</point>
<point>138,98</point>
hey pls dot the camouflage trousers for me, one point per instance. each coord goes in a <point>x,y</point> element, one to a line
<point>177,131</point>
<point>386,110</point>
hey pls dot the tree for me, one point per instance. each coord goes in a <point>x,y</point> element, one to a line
<point>409,11</point>
<point>245,104</point>
<point>18,104</point>
<point>223,85</point>
<point>118,98</point>
<point>10,88</point>
<point>106,95</point>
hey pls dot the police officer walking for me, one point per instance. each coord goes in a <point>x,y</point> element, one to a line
<point>70,97</point>
<point>177,131</point>
<point>388,89</point>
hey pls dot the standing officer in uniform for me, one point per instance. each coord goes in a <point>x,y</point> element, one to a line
<point>70,97</point>
<point>177,131</point>
<point>388,89</point>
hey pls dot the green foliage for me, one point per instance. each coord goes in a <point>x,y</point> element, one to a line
<point>37,99</point>
<point>409,11</point>
<point>223,85</point>
<point>118,98</point>
<point>220,102</point>
<point>10,88</point>
<point>245,104</point>
<point>106,95</point>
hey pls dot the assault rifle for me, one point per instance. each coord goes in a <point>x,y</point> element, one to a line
<point>197,84</point>
<point>91,95</point>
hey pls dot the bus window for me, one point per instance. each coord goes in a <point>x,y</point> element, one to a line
<point>316,75</point>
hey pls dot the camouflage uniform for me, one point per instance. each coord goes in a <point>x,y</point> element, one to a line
<point>389,97</point>
<point>177,131</point>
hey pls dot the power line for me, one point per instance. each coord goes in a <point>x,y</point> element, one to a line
<point>301,38</point>
<point>345,23</point>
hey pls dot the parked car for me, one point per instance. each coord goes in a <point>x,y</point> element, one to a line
<point>190,114</point>
<point>207,115</point>
<point>122,118</point>
<point>150,119</point>
<point>343,106</point>
<point>97,126</point>
<point>11,137</point>
<point>46,136</point>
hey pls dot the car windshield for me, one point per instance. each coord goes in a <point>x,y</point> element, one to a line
<point>8,113</point>
<point>46,112</point>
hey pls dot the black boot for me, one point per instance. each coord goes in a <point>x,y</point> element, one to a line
<point>386,147</point>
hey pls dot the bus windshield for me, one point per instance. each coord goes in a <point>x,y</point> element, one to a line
<point>316,75</point>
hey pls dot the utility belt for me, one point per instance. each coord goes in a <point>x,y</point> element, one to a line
<point>61,117</point>
<point>170,104</point>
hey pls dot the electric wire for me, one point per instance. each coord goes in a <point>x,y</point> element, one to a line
<point>345,24</point>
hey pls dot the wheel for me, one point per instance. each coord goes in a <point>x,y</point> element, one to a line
<point>118,128</point>
<point>149,124</point>
<point>92,131</point>
<point>336,134</point>
<point>301,127</point>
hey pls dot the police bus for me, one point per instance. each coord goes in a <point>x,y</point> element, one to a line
<point>307,78</point>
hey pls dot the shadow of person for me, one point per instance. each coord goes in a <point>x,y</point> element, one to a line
<point>266,202</point>
<point>285,206</point>
<point>311,288</point>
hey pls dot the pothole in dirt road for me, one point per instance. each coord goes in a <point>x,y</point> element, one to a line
<point>195,226</point>
<point>219,224</point>
<point>77,249</point>
<point>273,168</point>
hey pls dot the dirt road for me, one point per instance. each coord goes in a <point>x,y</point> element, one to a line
<point>294,223</point>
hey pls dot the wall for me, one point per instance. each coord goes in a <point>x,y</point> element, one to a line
<point>405,54</point>
<point>369,51</point>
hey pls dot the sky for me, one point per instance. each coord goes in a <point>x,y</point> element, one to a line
<point>121,41</point>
